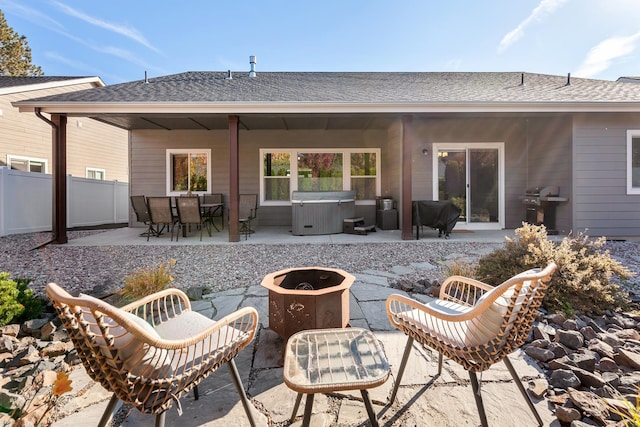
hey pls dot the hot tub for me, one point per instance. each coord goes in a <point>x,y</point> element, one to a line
<point>321,212</point>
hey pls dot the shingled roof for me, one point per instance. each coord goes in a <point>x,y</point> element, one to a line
<point>364,89</point>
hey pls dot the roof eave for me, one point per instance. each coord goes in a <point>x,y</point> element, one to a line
<point>79,108</point>
<point>51,85</point>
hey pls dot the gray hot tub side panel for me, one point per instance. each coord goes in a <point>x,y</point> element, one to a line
<point>321,212</point>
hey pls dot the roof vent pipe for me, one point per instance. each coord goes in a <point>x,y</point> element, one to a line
<point>522,79</point>
<point>229,76</point>
<point>252,62</point>
<point>568,79</point>
<point>146,79</point>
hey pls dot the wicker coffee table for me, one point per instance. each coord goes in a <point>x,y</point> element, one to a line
<point>329,360</point>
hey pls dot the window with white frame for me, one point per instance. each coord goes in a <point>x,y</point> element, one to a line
<point>633,162</point>
<point>188,170</point>
<point>27,164</point>
<point>287,170</point>
<point>95,173</point>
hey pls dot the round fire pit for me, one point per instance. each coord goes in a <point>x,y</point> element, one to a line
<point>308,298</point>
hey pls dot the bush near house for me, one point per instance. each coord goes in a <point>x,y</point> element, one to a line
<point>584,280</point>
<point>17,302</point>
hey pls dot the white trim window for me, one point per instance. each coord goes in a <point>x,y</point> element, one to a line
<point>319,169</point>
<point>188,170</point>
<point>96,173</point>
<point>27,164</point>
<point>633,162</point>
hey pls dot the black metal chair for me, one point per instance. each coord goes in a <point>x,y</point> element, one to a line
<point>217,213</point>
<point>161,215</point>
<point>141,209</point>
<point>189,213</point>
<point>247,211</point>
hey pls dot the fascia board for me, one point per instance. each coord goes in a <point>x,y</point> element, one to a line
<point>319,108</point>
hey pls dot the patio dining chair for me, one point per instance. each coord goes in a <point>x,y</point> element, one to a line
<point>141,209</point>
<point>218,213</point>
<point>151,352</point>
<point>189,213</point>
<point>473,324</point>
<point>247,211</point>
<point>161,215</point>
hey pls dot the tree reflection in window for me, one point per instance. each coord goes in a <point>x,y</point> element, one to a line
<point>189,171</point>
<point>364,175</point>
<point>320,171</point>
<point>276,173</point>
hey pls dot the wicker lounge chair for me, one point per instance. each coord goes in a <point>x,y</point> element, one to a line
<point>473,324</point>
<point>152,351</point>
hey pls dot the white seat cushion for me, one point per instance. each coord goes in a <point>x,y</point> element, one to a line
<point>138,357</point>
<point>191,323</point>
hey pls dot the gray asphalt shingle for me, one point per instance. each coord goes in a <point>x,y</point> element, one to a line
<point>367,88</point>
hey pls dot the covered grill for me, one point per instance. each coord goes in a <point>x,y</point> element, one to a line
<point>541,203</point>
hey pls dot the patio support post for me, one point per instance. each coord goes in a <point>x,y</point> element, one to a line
<point>234,180</point>
<point>58,125</point>
<point>407,145</point>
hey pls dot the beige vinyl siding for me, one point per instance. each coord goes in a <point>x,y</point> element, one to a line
<point>600,202</point>
<point>148,154</point>
<point>95,144</point>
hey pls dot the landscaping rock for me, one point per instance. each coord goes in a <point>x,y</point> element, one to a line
<point>628,358</point>
<point>564,379</point>
<point>572,339</point>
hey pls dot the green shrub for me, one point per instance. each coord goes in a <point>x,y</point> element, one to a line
<point>583,280</point>
<point>17,302</point>
<point>147,281</point>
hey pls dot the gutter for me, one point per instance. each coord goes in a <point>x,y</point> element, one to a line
<point>55,127</point>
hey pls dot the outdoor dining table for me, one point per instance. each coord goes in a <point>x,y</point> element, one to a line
<point>209,210</point>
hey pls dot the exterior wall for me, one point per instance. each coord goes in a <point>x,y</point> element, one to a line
<point>148,159</point>
<point>600,203</point>
<point>94,144</point>
<point>537,152</point>
<point>510,131</point>
<point>548,162</point>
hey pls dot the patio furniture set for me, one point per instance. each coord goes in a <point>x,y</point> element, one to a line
<point>168,213</point>
<point>151,352</point>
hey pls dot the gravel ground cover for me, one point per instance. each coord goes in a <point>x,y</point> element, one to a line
<point>220,267</point>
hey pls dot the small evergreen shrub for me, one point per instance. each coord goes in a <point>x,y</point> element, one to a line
<point>147,281</point>
<point>17,302</point>
<point>583,280</point>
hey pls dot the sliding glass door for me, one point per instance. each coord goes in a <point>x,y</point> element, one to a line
<point>471,176</point>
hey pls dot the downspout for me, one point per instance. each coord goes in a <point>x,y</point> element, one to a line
<point>54,232</point>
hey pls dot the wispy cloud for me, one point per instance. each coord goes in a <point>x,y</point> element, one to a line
<point>545,7</point>
<point>128,32</point>
<point>31,15</point>
<point>602,55</point>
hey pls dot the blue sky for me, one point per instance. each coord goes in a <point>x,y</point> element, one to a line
<point>120,40</point>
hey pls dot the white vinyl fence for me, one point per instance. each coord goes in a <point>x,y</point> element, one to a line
<point>26,202</point>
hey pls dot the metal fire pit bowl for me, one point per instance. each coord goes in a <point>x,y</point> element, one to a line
<point>307,298</point>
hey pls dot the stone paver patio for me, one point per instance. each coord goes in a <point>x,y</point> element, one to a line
<point>422,399</point>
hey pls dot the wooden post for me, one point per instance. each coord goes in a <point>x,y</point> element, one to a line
<point>59,178</point>
<point>234,180</point>
<point>407,144</point>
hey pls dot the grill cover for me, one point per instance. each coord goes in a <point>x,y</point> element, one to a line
<point>441,215</point>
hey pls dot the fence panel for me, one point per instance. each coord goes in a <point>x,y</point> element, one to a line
<point>26,202</point>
